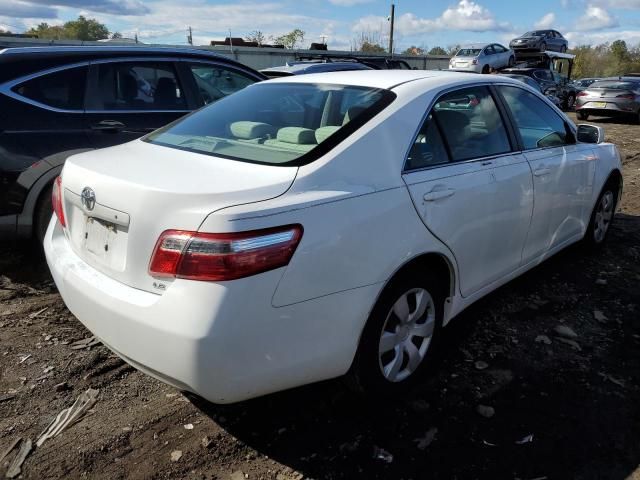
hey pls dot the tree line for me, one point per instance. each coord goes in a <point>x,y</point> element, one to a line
<point>606,60</point>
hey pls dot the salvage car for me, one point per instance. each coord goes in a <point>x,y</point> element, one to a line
<point>550,80</point>
<point>550,93</point>
<point>320,225</point>
<point>312,66</point>
<point>619,97</point>
<point>482,58</point>
<point>58,101</point>
<point>540,41</point>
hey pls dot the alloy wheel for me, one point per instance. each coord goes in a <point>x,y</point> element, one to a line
<point>603,217</point>
<point>406,334</point>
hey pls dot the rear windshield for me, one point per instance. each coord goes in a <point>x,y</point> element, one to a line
<point>615,85</point>
<point>468,52</point>
<point>275,123</point>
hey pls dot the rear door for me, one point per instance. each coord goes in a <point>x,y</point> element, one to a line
<point>563,172</point>
<point>131,97</point>
<point>470,188</point>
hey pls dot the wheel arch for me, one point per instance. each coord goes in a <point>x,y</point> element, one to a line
<point>615,178</point>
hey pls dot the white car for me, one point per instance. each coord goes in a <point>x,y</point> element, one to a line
<point>313,226</point>
<point>482,57</point>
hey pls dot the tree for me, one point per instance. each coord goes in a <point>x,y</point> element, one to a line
<point>291,39</point>
<point>80,29</point>
<point>452,49</point>
<point>372,47</point>
<point>256,36</point>
<point>620,51</point>
<point>413,50</point>
<point>437,51</point>
<point>116,36</point>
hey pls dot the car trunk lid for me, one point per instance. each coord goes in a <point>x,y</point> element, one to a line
<point>119,200</point>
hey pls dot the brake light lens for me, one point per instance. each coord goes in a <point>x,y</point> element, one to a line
<point>56,200</point>
<point>626,96</point>
<point>582,94</point>
<point>474,61</point>
<point>223,256</point>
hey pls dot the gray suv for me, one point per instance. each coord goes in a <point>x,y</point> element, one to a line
<point>540,41</point>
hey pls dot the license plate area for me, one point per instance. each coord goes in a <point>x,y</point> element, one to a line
<point>598,104</point>
<point>98,236</point>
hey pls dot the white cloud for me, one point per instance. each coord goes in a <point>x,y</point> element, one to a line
<point>466,15</point>
<point>595,18</point>
<point>628,4</point>
<point>597,38</point>
<point>546,22</point>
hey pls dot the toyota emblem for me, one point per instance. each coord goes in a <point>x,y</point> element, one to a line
<point>88,198</point>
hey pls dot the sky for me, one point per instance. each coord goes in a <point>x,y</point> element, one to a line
<point>423,23</point>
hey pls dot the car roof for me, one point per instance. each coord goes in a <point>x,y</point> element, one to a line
<point>300,67</point>
<point>388,79</point>
<point>475,45</point>
<point>19,61</point>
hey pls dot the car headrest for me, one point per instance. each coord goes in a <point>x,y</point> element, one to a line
<point>249,130</point>
<point>323,133</point>
<point>297,135</point>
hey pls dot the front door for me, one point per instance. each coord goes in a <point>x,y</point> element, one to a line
<point>562,172</point>
<point>129,99</point>
<point>470,189</point>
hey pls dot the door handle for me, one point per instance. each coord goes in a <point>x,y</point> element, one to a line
<point>541,172</point>
<point>438,194</point>
<point>108,126</point>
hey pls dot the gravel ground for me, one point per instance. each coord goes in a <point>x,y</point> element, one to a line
<point>558,409</point>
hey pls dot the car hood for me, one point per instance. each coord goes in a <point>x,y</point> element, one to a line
<point>528,38</point>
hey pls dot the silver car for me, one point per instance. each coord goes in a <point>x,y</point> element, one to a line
<point>610,98</point>
<point>482,58</point>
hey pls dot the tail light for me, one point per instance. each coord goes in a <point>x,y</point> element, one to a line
<point>626,96</point>
<point>582,94</point>
<point>223,256</point>
<point>474,61</point>
<point>56,200</point>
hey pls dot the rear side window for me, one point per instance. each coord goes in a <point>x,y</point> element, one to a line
<point>215,82</point>
<point>64,89</point>
<point>428,149</point>
<point>471,124</point>
<point>275,123</point>
<point>538,124</point>
<point>138,86</point>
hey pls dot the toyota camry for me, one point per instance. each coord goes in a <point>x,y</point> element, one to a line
<point>324,225</point>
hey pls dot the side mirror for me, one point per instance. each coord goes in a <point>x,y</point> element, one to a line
<point>590,133</point>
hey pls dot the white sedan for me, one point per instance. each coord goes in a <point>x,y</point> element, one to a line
<point>311,227</point>
<point>482,57</point>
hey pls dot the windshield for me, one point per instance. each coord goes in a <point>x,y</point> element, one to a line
<point>275,123</point>
<point>615,85</point>
<point>535,33</point>
<point>468,52</point>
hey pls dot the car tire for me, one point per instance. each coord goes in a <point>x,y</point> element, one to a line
<point>570,102</point>
<point>543,47</point>
<point>582,116</point>
<point>485,69</point>
<point>602,216</point>
<point>400,337</point>
<point>43,212</point>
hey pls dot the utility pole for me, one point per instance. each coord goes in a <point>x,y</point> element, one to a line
<point>190,37</point>
<point>391,18</point>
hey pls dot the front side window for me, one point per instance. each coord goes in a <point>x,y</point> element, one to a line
<point>538,124</point>
<point>64,89</point>
<point>471,124</point>
<point>138,86</point>
<point>275,124</point>
<point>215,82</point>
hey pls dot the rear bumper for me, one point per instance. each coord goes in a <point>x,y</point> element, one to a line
<point>612,109</point>
<point>223,341</point>
<point>468,68</point>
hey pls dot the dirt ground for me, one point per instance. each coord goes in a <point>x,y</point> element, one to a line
<point>561,411</point>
